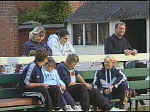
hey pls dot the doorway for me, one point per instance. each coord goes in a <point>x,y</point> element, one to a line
<point>136,34</point>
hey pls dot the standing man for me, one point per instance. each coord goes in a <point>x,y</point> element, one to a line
<point>118,43</point>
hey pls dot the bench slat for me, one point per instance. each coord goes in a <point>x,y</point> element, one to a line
<point>136,72</point>
<point>141,84</point>
<point>9,93</point>
<point>18,102</point>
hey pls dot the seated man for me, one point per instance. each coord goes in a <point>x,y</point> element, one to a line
<point>111,81</point>
<point>33,83</point>
<point>79,89</point>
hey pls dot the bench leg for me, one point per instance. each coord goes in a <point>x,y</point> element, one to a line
<point>130,104</point>
<point>136,104</point>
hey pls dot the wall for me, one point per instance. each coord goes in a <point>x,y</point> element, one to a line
<point>8,29</point>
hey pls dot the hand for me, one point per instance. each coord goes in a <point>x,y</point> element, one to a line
<point>44,85</point>
<point>107,91</point>
<point>63,88</point>
<point>134,52</point>
<point>72,83</point>
<point>89,86</point>
<point>127,52</point>
<point>110,88</point>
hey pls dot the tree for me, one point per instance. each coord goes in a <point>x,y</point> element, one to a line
<point>50,12</point>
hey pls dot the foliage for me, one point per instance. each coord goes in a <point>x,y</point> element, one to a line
<point>50,12</point>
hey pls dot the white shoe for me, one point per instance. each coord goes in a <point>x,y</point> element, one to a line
<point>77,108</point>
<point>68,108</point>
<point>117,109</point>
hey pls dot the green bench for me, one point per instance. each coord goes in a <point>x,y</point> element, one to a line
<point>11,96</point>
<point>136,78</point>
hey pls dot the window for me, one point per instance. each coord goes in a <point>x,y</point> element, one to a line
<point>77,34</point>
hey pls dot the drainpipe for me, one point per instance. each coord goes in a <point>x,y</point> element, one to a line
<point>97,35</point>
<point>83,34</point>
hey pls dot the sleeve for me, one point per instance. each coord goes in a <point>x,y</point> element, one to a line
<point>29,73</point>
<point>129,45</point>
<point>109,49</point>
<point>120,78</point>
<point>59,80</point>
<point>53,44</point>
<point>72,50</point>
<point>63,75</point>
<point>26,50</point>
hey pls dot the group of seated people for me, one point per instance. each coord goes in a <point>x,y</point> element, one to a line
<point>62,86</point>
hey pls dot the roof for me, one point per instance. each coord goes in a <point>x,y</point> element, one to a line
<point>100,11</point>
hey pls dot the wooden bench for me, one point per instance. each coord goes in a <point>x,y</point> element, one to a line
<point>136,78</point>
<point>11,96</point>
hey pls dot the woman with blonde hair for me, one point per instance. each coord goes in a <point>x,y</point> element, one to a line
<point>36,36</point>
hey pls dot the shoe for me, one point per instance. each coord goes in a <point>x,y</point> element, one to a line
<point>77,108</point>
<point>68,108</point>
<point>117,109</point>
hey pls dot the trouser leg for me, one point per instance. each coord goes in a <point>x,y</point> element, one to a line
<point>80,93</point>
<point>98,99</point>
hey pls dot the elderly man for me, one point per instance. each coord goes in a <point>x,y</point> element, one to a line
<point>118,43</point>
<point>111,81</point>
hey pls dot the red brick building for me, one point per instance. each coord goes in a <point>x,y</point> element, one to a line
<point>12,38</point>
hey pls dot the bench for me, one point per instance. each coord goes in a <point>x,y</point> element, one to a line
<point>11,96</point>
<point>10,92</point>
<point>136,78</point>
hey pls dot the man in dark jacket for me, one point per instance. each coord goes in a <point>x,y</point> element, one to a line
<point>118,43</point>
<point>33,83</point>
<point>111,81</point>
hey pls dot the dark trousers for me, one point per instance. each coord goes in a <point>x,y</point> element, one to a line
<point>68,98</point>
<point>118,92</point>
<point>98,99</point>
<point>52,95</point>
<point>80,93</point>
<point>86,97</point>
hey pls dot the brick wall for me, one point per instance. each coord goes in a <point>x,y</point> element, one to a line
<point>8,29</point>
<point>75,5</point>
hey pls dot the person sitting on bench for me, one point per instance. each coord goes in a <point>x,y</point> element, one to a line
<point>111,81</point>
<point>33,83</point>
<point>51,77</point>
<point>79,89</point>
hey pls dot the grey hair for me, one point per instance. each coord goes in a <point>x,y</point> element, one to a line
<point>36,32</point>
<point>119,23</point>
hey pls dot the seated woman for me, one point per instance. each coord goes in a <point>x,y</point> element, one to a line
<point>111,81</point>
<point>51,77</point>
<point>60,44</point>
<point>79,89</point>
<point>36,36</point>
